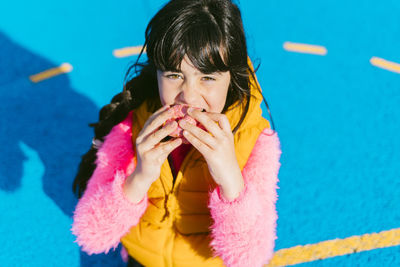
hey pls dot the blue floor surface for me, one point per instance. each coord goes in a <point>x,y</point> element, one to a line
<point>338,118</point>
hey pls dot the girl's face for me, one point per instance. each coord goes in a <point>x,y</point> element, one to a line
<point>191,87</point>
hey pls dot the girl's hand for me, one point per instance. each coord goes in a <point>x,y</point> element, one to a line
<point>150,153</point>
<point>217,148</point>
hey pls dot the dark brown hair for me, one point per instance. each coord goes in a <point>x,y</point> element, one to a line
<point>210,33</point>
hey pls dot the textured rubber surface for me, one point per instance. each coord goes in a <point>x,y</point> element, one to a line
<point>338,118</point>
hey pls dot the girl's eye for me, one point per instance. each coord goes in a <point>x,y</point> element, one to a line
<point>173,76</point>
<point>207,78</point>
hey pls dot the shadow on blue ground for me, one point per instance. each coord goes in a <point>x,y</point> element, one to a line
<point>51,118</point>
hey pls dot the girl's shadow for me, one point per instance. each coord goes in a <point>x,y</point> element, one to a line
<point>51,118</point>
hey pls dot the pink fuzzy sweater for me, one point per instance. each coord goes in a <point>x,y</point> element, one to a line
<point>243,231</point>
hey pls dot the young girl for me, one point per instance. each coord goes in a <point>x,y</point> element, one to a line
<point>206,198</point>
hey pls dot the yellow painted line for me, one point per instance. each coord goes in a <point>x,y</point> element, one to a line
<point>128,51</point>
<point>385,64</point>
<point>335,247</point>
<point>305,48</point>
<point>63,68</point>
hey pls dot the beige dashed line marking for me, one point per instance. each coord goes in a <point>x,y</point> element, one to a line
<point>335,247</point>
<point>64,68</point>
<point>128,51</point>
<point>385,64</point>
<point>305,48</point>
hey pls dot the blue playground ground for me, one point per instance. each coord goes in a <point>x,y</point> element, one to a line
<point>337,115</point>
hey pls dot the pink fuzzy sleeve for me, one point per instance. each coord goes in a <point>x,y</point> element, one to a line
<point>103,214</point>
<point>244,230</point>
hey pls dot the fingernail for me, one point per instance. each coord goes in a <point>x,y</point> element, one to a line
<point>190,110</point>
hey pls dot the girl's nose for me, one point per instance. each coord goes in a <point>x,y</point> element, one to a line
<point>189,94</point>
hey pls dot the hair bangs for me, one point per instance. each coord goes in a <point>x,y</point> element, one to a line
<point>201,43</point>
<point>168,53</point>
<point>206,49</point>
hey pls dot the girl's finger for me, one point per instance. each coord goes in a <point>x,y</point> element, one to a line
<point>222,121</point>
<point>154,122</point>
<point>206,121</point>
<point>154,138</point>
<point>203,136</point>
<point>156,114</point>
<point>201,147</point>
<point>158,111</point>
<point>164,149</point>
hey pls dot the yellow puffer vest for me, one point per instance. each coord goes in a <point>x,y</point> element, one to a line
<point>174,230</point>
